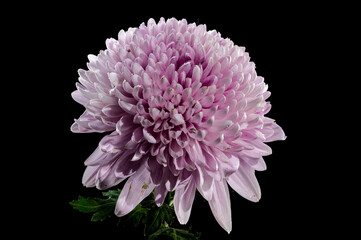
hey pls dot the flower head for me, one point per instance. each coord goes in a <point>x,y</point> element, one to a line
<point>185,109</point>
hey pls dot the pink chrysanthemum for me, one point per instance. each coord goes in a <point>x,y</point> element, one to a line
<point>186,110</point>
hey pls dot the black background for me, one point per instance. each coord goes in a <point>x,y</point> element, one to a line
<point>286,45</point>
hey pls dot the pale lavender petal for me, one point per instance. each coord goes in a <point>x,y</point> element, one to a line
<point>204,183</point>
<point>89,176</point>
<point>183,200</point>
<point>160,192</point>
<point>256,163</point>
<point>125,166</point>
<point>99,157</point>
<point>156,170</point>
<point>114,142</point>
<point>245,183</point>
<point>221,205</point>
<point>106,177</point>
<point>149,136</point>
<point>277,135</point>
<point>138,187</point>
<point>194,151</point>
<point>80,98</point>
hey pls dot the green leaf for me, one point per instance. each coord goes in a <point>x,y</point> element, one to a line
<point>101,208</point>
<point>136,215</point>
<point>113,194</point>
<point>157,217</point>
<point>174,234</point>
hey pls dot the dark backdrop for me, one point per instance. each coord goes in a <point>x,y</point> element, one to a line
<point>277,38</point>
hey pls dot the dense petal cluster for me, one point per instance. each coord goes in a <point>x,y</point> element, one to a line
<point>186,110</point>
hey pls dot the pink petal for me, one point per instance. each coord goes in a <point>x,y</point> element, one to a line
<point>148,136</point>
<point>195,152</point>
<point>138,187</point>
<point>89,176</point>
<point>156,170</point>
<point>100,157</point>
<point>277,135</point>
<point>183,200</point>
<point>245,183</point>
<point>221,205</point>
<point>106,178</point>
<point>204,183</point>
<point>128,107</point>
<point>125,166</point>
<point>79,97</point>
<point>114,142</point>
<point>160,192</point>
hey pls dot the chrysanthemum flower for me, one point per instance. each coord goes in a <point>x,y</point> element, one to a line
<point>185,108</point>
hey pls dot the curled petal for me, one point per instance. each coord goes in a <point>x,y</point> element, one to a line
<point>148,136</point>
<point>106,177</point>
<point>128,107</point>
<point>125,166</point>
<point>114,142</point>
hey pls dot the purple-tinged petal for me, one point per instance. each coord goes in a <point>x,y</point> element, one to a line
<point>112,111</point>
<point>89,176</point>
<point>156,170</point>
<point>125,166</point>
<point>231,166</point>
<point>106,178</point>
<point>169,180</point>
<point>245,183</point>
<point>160,192</point>
<point>256,163</point>
<point>183,200</point>
<point>99,126</point>
<point>138,187</point>
<point>175,150</point>
<point>278,133</point>
<point>204,183</point>
<point>221,205</point>
<point>172,166</point>
<point>154,113</point>
<point>125,124</point>
<point>177,119</point>
<point>128,107</point>
<point>79,98</point>
<point>148,136</point>
<point>114,142</point>
<point>194,151</point>
<point>99,157</point>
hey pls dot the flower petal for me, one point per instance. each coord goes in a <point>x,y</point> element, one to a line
<point>278,133</point>
<point>138,187</point>
<point>204,183</point>
<point>148,136</point>
<point>160,192</point>
<point>114,142</point>
<point>183,200</point>
<point>100,157</point>
<point>221,205</point>
<point>245,183</point>
<point>89,176</point>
